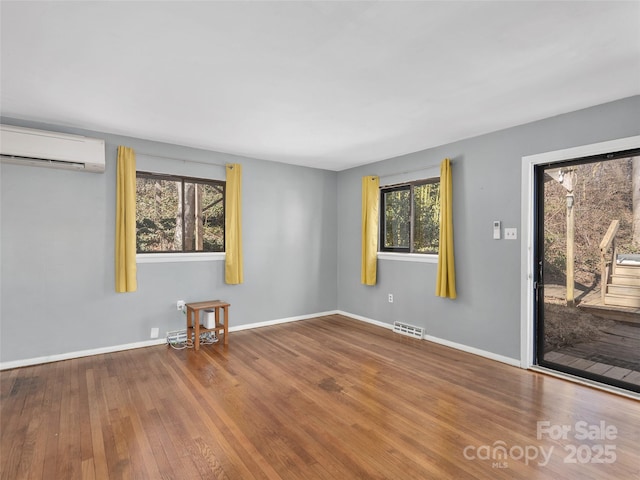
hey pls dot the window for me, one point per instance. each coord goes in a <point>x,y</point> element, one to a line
<point>410,217</point>
<point>178,214</point>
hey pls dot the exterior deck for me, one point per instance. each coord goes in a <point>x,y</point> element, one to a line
<point>615,354</point>
<point>592,303</point>
<point>616,351</point>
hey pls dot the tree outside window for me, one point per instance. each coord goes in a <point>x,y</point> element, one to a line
<point>410,217</point>
<point>178,214</point>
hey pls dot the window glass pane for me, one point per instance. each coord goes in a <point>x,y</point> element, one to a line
<point>170,220</point>
<point>426,213</point>
<point>397,209</point>
<point>157,215</point>
<point>204,217</point>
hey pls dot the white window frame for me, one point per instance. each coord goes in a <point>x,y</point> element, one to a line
<point>170,257</point>
<point>432,172</point>
<point>180,257</point>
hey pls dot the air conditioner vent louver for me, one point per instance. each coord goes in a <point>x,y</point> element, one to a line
<point>408,330</point>
<point>41,162</point>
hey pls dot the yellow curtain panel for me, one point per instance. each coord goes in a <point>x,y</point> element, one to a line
<point>446,280</point>
<point>370,200</point>
<point>233,225</point>
<point>126,221</point>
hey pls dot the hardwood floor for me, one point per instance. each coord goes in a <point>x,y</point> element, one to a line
<point>328,398</point>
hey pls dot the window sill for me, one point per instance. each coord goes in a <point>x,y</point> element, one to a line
<point>408,257</point>
<point>179,257</point>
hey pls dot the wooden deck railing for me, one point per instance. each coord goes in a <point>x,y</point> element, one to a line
<point>608,254</point>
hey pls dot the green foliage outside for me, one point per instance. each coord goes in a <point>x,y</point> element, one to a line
<point>397,210</point>
<point>161,217</point>
<point>426,218</point>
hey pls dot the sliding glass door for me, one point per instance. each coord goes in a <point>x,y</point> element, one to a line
<point>588,268</point>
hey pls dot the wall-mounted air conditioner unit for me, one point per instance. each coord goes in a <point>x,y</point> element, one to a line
<point>27,146</point>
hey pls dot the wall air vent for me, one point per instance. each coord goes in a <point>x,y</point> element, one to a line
<point>26,146</point>
<point>408,330</point>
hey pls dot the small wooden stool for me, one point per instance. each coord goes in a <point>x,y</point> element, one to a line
<point>193,320</point>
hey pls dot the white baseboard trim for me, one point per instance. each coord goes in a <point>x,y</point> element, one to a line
<point>476,351</point>
<point>148,343</point>
<point>82,353</point>
<point>447,343</point>
<point>281,320</point>
<point>160,341</point>
<point>365,319</point>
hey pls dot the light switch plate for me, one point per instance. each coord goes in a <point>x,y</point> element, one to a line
<point>511,233</point>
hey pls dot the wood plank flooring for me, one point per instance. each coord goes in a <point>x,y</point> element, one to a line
<point>327,398</point>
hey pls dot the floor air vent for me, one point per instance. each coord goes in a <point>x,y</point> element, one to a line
<point>408,330</point>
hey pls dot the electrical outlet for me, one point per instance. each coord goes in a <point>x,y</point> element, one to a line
<point>180,305</point>
<point>511,233</point>
<point>391,298</point>
<point>155,331</point>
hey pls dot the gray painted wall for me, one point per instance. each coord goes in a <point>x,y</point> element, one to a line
<point>486,187</point>
<point>57,263</point>
<point>301,244</point>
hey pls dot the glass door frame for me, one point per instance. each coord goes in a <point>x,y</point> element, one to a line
<point>528,227</point>
<point>539,255</point>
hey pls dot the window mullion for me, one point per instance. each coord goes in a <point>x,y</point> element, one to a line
<point>381,223</point>
<point>183,215</point>
<point>411,222</point>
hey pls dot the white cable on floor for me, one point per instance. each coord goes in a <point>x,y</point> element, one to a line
<point>206,338</point>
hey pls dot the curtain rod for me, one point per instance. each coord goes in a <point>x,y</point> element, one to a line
<point>185,160</point>
<point>408,171</point>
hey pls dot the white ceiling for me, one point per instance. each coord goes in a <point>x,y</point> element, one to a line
<point>323,84</point>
